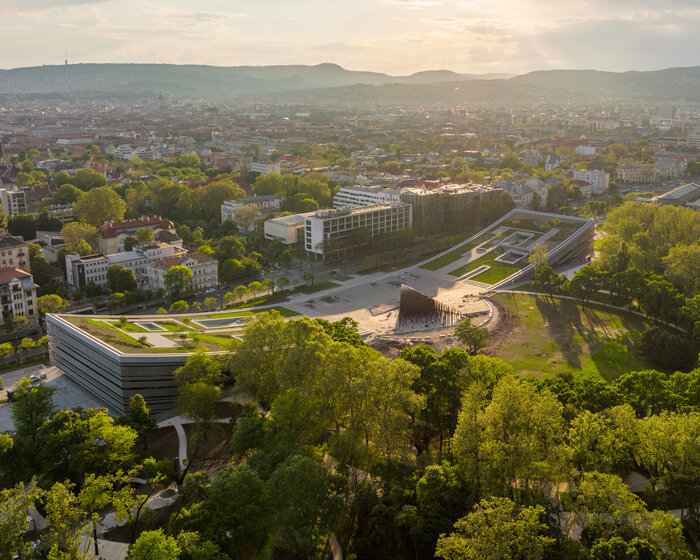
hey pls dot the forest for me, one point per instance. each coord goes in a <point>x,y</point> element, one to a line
<point>448,455</point>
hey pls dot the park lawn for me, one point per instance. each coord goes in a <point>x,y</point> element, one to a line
<point>496,273</point>
<point>448,258</point>
<point>561,337</point>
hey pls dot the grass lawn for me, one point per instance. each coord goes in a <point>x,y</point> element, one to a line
<point>448,258</point>
<point>547,338</point>
<point>281,310</point>
<point>497,272</point>
<point>129,327</point>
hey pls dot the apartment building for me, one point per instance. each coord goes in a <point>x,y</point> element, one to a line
<point>358,196</point>
<point>640,173</point>
<point>14,252</point>
<point>527,195</point>
<point>234,210</point>
<point>265,168</point>
<point>331,234</point>
<point>17,295</point>
<point>599,180</point>
<point>205,271</point>
<point>112,235</point>
<point>14,201</point>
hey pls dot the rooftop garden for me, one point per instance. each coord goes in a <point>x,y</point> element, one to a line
<point>184,333</point>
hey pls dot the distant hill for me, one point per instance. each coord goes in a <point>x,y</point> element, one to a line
<point>330,83</point>
<point>198,80</point>
<point>547,86</point>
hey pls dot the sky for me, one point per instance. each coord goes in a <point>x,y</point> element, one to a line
<point>393,36</point>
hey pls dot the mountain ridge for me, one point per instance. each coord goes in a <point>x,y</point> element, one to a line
<point>330,82</point>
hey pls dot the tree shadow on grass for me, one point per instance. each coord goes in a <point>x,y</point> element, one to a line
<point>563,322</point>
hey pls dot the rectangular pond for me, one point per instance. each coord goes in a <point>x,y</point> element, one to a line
<point>153,327</point>
<point>226,322</point>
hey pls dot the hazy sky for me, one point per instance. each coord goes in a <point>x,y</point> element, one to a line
<point>394,36</point>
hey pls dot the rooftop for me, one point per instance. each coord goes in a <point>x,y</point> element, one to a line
<point>112,229</point>
<point>9,273</point>
<point>7,240</point>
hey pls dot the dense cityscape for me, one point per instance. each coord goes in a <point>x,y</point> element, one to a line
<point>261,329</point>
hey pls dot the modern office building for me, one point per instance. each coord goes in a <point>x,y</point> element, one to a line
<point>436,207</point>
<point>109,374</point>
<point>358,196</point>
<point>331,234</point>
<point>288,229</point>
<point>81,271</point>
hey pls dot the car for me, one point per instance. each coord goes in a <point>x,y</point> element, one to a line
<point>210,291</point>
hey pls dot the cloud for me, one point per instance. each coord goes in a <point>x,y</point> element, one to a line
<point>412,4</point>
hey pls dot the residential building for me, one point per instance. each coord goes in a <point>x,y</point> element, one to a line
<point>265,168</point>
<point>62,212</point>
<point>358,196</point>
<point>671,167</point>
<point>205,271</point>
<point>81,271</point>
<point>14,201</point>
<point>551,163</point>
<point>112,235</point>
<point>17,295</point>
<point>14,252</point>
<point>240,211</point>
<point>134,260</point>
<point>533,157</point>
<point>528,194</point>
<point>640,173</point>
<point>334,233</point>
<point>599,180</point>
<point>288,229</point>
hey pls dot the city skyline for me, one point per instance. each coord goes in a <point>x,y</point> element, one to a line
<point>391,36</point>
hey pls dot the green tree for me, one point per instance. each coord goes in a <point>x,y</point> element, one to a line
<point>145,236</point>
<point>154,545</point>
<point>52,303</point>
<point>99,205</point>
<point>140,419</point>
<point>210,304</point>
<point>198,389</point>
<point>67,522</point>
<point>539,256</point>
<point>241,292</point>
<point>121,279</point>
<point>473,337</point>
<point>306,505</point>
<point>605,507</point>
<point>283,282</point>
<point>495,530</point>
<point>180,306</point>
<point>88,179</point>
<point>34,405</point>
<point>514,444</point>
<point>177,279</point>
<point>75,232</point>
<point>15,505</point>
<point>114,301</point>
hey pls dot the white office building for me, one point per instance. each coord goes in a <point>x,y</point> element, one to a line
<point>358,196</point>
<point>327,233</point>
